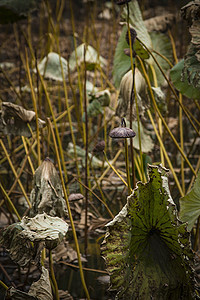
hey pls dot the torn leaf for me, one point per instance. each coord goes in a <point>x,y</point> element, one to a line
<point>42,231</point>
<point>146,248</point>
<point>40,290</point>
<point>14,119</point>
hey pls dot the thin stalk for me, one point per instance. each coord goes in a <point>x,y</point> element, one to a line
<point>180,115</point>
<point>133,93</point>
<point>113,168</point>
<point>103,202</point>
<point>35,108</point>
<point>53,275</point>
<point>14,172</point>
<point>66,96</point>
<point>69,211</point>
<point>56,127</point>
<point>108,168</point>
<point>10,202</point>
<point>171,87</point>
<point>3,285</point>
<point>159,120</point>
<point>86,149</point>
<point>163,120</point>
<point>165,153</point>
<point>127,166</point>
<point>27,153</point>
<point>78,71</point>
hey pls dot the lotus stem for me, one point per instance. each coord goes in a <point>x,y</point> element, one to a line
<point>163,120</point>
<point>170,85</point>
<point>113,168</point>
<point>10,202</point>
<point>53,275</point>
<point>69,211</point>
<point>14,172</point>
<point>165,153</point>
<point>3,285</point>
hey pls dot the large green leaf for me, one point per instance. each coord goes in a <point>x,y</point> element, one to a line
<point>190,204</point>
<point>181,83</point>
<point>146,248</point>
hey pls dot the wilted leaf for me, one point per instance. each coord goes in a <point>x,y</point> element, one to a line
<point>123,107</point>
<point>39,290</point>
<point>191,70</point>
<point>93,109</point>
<point>190,204</point>
<point>19,248</point>
<point>160,23</point>
<point>14,10</point>
<point>14,120</point>
<point>146,248</point>
<point>42,230</point>
<point>92,57</point>
<point>50,67</point>
<point>181,83</point>
<point>47,193</point>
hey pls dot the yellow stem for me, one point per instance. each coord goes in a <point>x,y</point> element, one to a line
<point>69,211</point>
<point>165,153</point>
<point>163,120</point>
<point>14,172</point>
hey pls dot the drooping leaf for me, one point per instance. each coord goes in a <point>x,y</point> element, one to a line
<point>91,57</point>
<point>123,106</point>
<point>42,230</point>
<point>47,193</point>
<point>146,247</point>
<point>14,10</point>
<point>190,205</point>
<point>50,67</point>
<point>14,119</point>
<point>181,83</point>
<point>39,290</point>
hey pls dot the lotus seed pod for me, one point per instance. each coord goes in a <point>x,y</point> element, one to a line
<point>99,147</point>
<point>122,132</point>
<point>133,36</point>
